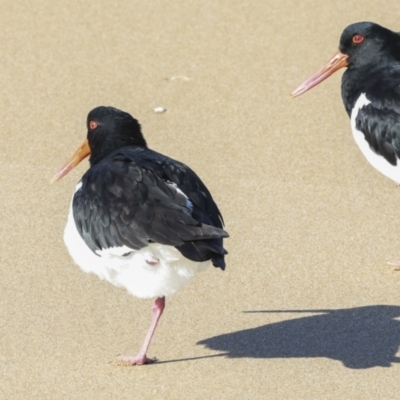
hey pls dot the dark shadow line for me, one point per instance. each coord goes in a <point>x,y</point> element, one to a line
<point>189,359</point>
<point>287,311</point>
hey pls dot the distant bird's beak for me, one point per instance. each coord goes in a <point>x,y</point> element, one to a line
<point>82,152</point>
<point>339,60</point>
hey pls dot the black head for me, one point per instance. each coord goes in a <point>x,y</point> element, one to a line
<point>110,129</point>
<point>363,46</point>
<point>367,44</point>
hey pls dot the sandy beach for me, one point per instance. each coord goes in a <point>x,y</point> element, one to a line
<point>307,307</point>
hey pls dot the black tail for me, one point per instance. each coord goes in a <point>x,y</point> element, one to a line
<point>203,250</point>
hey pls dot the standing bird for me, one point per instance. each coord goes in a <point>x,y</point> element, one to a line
<point>370,91</point>
<point>139,219</point>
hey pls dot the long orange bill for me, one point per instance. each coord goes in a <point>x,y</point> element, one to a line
<point>339,60</point>
<point>80,154</point>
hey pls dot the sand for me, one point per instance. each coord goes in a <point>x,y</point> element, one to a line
<point>307,307</point>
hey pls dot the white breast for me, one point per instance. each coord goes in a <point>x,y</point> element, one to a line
<point>154,271</point>
<point>377,161</point>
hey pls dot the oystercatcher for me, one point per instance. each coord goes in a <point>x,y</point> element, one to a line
<point>370,91</point>
<point>139,219</point>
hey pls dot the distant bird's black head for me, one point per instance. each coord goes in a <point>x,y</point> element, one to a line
<point>110,129</point>
<point>362,45</point>
<point>367,44</point>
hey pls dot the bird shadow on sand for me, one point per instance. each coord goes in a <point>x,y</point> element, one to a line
<point>362,337</point>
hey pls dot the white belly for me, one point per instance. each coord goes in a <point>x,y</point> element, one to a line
<point>377,161</point>
<point>154,271</point>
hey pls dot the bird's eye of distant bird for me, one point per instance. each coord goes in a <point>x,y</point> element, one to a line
<point>93,125</point>
<point>357,39</point>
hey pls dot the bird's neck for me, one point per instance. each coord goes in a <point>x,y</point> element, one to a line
<point>101,152</point>
<point>356,81</point>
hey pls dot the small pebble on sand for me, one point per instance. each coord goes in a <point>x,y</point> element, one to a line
<point>160,110</point>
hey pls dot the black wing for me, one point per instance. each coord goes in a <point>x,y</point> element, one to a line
<point>381,128</point>
<point>125,200</point>
<point>205,209</point>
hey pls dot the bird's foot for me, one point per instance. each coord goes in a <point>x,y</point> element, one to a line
<point>395,264</point>
<point>124,359</point>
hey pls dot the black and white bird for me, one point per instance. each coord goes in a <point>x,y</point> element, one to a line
<point>370,91</point>
<point>139,219</point>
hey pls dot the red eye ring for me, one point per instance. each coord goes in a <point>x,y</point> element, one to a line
<point>357,39</point>
<point>93,125</point>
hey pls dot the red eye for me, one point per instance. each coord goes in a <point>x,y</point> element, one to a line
<point>358,39</point>
<point>93,125</point>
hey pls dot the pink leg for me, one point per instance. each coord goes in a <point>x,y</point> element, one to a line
<point>141,357</point>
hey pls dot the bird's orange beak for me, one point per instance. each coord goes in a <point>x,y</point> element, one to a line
<point>81,153</point>
<point>339,60</point>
